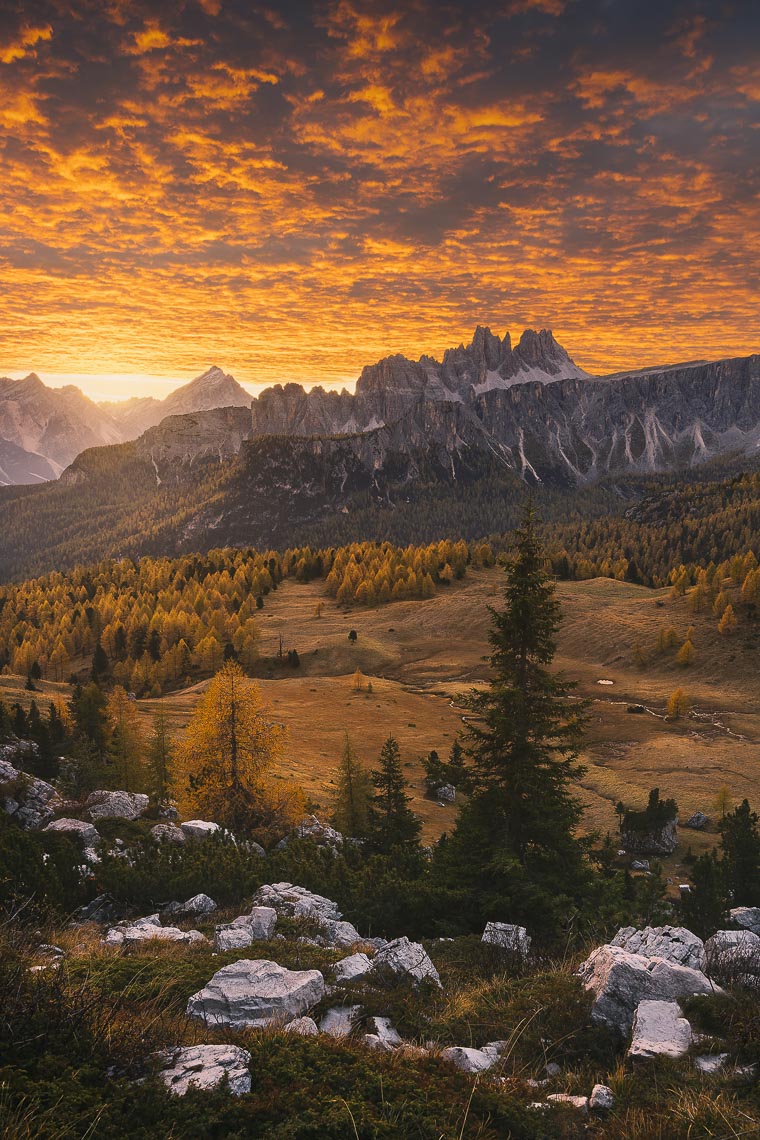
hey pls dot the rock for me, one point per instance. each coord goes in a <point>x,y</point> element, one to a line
<point>341,934</point>
<point>673,943</point>
<point>406,959</point>
<point>232,936</point>
<point>168,811</point>
<point>659,1030</point>
<point>312,828</point>
<point>297,902</point>
<point>103,908</point>
<point>620,980</point>
<point>116,805</point>
<point>372,1041</point>
<point>470,1060</point>
<point>698,821</point>
<point>91,856</point>
<point>256,848</point>
<point>167,833</point>
<point>446,794</point>
<point>205,1067</point>
<point>640,865</point>
<point>382,1028</point>
<point>602,1098</point>
<point>579,1103</point>
<point>199,828</point>
<point>195,907</point>
<point>129,935</point>
<point>513,939</point>
<point>149,920</point>
<point>340,1020</point>
<point>253,993</point>
<point>552,1069</point>
<point>30,801</point>
<point>303,1026</point>
<point>711,1063</point>
<point>262,921</point>
<point>352,968</point>
<point>747,917</point>
<point>659,840</point>
<point>77,828</point>
<point>734,956</point>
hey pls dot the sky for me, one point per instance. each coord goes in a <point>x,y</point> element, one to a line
<point>294,190</point>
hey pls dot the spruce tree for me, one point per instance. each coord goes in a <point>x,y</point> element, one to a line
<point>515,846</point>
<point>160,757</point>
<point>392,823</point>
<point>352,794</point>
<point>740,843</point>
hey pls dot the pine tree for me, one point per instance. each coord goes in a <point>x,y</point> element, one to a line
<point>125,746</point>
<point>160,756</point>
<point>706,904</point>
<point>741,854</point>
<point>392,824</point>
<point>516,838</point>
<point>352,794</point>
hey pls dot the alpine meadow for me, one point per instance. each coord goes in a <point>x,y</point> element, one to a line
<point>379,688</point>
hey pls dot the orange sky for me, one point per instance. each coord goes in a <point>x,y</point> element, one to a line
<point>294,190</point>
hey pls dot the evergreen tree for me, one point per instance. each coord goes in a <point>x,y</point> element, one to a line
<point>705,906</point>
<point>740,843</point>
<point>99,662</point>
<point>352,794</point>
<point>125,745</point>
<point>160,756</point>
<point>515,842</point>
<point>393,826</point>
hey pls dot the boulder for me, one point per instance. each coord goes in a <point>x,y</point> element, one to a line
<point>711,1063</point>
<point>340,934</point>
<point>602,1099</point>
<point>513,939</point>
<point>197,906</point>
<point>77,828</point>
<point>747,917</point>
<point>661,839</point>
<point>734,956</point>
<point>129,935</point>
<point>262,921</point>
<point>620,980</point>
<point>148,920</point>
<point>579,1103</point>
<point>446,794</point>
<point>673,943</point>
<point>296,902</point>
<point>103,908</point>
<point>253,993</point>
<point>698,821</point>
<point>199,828</point>
<point>205,1067</point>
<point>659,1030</point>
<point>639,864</point>
<point>30,801</point>
<point>471,1060</point>
<point>167,833</point>
<point>303,1026</point>
<point>232,936</point>
<point>352,968</point>
<point>405,959</point>
<point>382,1028</point>
<point>312,828</point>
<point>116,805</point>
<point>340,1020</point>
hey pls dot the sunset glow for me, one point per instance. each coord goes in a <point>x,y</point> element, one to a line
<point>292,191</point>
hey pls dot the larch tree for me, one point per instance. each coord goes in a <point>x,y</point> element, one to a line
<point>515,843</point>
<point>225,760</point>
<point>678,705</point>
<point>353,793</point>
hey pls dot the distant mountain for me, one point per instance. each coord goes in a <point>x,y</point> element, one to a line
<point>18,467</point>
<point>54,423</point>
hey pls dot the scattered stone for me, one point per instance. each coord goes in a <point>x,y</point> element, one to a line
<point>205,1067</point>
<point>446,793</point>
<point>128,935</point>
<point>149,920</point>
<point>303,1026</point>
<point>262,921</point>
<point>30,801</point>
<point>340,1020</point>
<point>199,828</point>
<point>103,908</point>
<point>747,917</point>
<point>514,939</point>
<point>352,968</point>
<point>77,828</point>
<point>640,865</point>
<point>406,959</point>
<point>673,943</point>
<point>168,811</point>
<point>253,993</point>
<point>232,936</point>
<point>91,856</point>
<point>297,902</point>
<point>660,839</point>
<point>312,828</point>
<point>372,1041</point>
<point>197,906</point>
<point>383,1028</point>
<point>711,1063</point>
<point>734,956</point>
<point>116,805</point>
<point>340,934</point>
<point>602,1098</point>
<point>620,980</point>
<point>659,1030</point>
<point>698,821</point>
<point>167,833</point>
<point>470,1060</point>
<point>579,1103</point>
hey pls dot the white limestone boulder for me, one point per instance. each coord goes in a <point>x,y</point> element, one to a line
<point>167,833</point>
<point>620,980</point>
<point>404,959</point>
<point>507,937</point>
<point>232,936</point>
<point>734,956</point>
<point>131,935</point>
<point>303,1027</point>
<point>341,934</point>
<point>384,1030</point>
<point>199,828</point>
<point>602,1099</point>
<point>747,917</point>
<point>471,1060</point>
<point>116,805</point>
<point>297,902</point>
<point>77,829</point>
<point>673,943</point>
<point>254,993</point>
<point>262,921</point>
<point>340,1020</point>
<point>196,907</point>
<point>579,1103</point>
<point>29,800</point>
<point>659,1030</point>
<point>206,1067</point>
<point>353,968</point>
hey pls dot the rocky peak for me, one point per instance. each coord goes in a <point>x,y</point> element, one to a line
<point>540,353</point>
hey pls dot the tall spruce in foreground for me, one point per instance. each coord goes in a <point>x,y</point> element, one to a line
<point>515,845</point>
<point>393,826</point>
<point>352,794</point>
